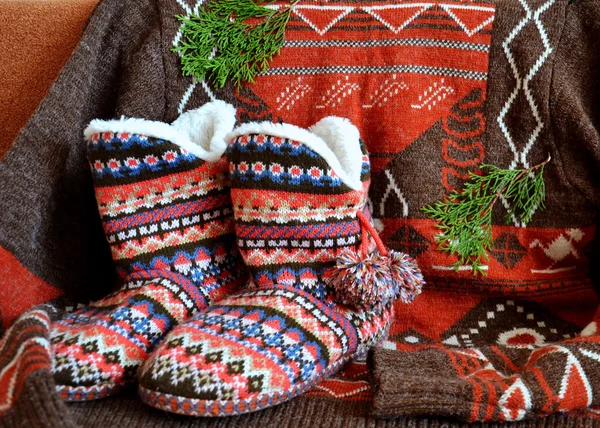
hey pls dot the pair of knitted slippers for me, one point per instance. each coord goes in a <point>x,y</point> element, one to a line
<point>250,267</point>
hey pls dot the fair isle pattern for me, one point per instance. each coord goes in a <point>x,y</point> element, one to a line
<point>24,350</point>
<point>372,327</point>
<point>150,222</point>
<point>132,166</point>
<point>115,201</point>
<point>253,351</point>
<point>286,333</point>
<point>168,220</point>
<point>194,407</point>
<point>85,351</point>
<point>268,339</point>
<point>136,249</point>
<point>293,196</point>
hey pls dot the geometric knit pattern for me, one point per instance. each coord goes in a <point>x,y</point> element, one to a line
<point>436,89</point>
<point>168,220</point>
<point>315,216</point>
<point>256,349</point>
<point>251,351</point>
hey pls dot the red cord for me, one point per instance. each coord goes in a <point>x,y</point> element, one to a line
<point>366,224</point>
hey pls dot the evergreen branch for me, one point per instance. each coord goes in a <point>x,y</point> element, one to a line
<point>465,217</point>
<point>232,40</point>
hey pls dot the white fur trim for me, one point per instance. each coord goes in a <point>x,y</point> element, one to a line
<point>200,131</point>
<point>335,139</point>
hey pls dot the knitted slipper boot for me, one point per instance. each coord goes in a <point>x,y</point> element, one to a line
<point>298,200</point>
<point>164,201</point>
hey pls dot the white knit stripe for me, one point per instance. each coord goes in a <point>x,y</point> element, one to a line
<point>207,89</point>
<point>448,8</point>
<point>520,156</point>
<point>185,6</point>
<point>188,12</point>
<point>186,96</point>
<point>538,64</point>
<point>188,93</point>
<point>519,83</point>
<point>392,187</point>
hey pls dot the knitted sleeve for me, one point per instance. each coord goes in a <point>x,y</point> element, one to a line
<point>575,97</point>
<point>51,241</point>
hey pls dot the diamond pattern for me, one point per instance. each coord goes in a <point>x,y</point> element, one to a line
<point>507,250</point>
<point>409,241</point>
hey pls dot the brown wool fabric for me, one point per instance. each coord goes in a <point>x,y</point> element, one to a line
<point>539,290</point>
<point>300,413</point>
<point>395,395</point>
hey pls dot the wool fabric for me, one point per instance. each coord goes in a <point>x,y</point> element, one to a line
<point>168,220</point>
<point>436,88</point>
<point>295,214</point>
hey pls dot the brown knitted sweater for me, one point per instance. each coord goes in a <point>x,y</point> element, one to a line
<point>437,89</point>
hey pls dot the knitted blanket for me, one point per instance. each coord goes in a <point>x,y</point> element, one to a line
<point>437,88</point>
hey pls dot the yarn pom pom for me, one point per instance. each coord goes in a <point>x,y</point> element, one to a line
<point>372,281</point>
<point>362,281</point>
<point>406,275</point>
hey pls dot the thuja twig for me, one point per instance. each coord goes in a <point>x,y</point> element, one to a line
<point>465,217</point>
<point>232,40</point>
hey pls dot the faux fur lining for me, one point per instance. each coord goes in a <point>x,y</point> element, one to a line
<point>335,139</point>
<point>200,131</point>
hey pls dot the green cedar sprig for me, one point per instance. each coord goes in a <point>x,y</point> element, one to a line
<point>232,40</point>
<point>465,217</point>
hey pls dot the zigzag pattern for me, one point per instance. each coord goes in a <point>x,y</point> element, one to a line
<point>312,231</point>
<point>131,249</point>
<point>286,201</point>
<point>304,215</point>
<point>126,200</point>
<point>172,211</point>
<point>204,276</point>
<point>211,175</point>
<point>520,156</point>
<point>192,294</point>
